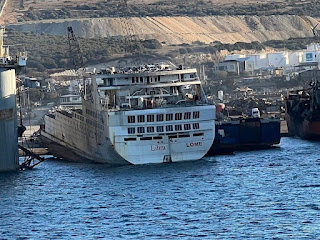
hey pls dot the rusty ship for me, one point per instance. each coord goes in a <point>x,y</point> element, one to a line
<point>303,112</point>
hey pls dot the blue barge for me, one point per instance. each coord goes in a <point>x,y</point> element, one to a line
<point>245,134</point>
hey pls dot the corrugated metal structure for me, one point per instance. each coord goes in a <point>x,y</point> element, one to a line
<point>8,114</point>
<point>8,120</point>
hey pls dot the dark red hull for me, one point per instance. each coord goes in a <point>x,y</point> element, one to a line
<point>303,128</point>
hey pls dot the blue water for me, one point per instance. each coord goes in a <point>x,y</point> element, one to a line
<point>268,194</point>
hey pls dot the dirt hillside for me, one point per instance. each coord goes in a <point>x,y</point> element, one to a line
<point>177,30</point>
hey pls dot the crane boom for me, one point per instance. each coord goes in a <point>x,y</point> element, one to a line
<point>75,50</point>
<point>76,55</point>
<point>313,28</point>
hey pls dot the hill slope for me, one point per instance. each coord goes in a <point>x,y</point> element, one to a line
<point>27,10</point>
<point>177,30</point>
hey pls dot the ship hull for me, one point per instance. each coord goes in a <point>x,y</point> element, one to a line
<point>61,149</point>
<point>156,154</point>
<point>168,149</point>
<point>69,138</point>
<point>245,134</point>
<point>303,128</point>
<point>152,152</point>
<point>303,112</point>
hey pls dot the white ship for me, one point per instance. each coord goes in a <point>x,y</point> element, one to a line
<point>150,114</point>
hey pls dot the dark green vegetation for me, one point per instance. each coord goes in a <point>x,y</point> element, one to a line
<point>52,52</point>
<point>112,8</point>
<point>291,43</point>
<point>199,47</point>
<point>49,52</point>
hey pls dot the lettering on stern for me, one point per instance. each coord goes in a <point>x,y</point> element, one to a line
<point>157,148</point>
<point>194,144</point>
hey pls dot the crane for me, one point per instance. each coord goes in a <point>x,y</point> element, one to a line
<point>75,50</point>
<point>76,55</point>
<point>313,28</point>
<point>315,34</point>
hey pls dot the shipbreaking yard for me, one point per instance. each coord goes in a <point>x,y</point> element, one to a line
<point>264,88</point>
<point>161,113</point>
<point>245,81</point>
<point>31,141</point>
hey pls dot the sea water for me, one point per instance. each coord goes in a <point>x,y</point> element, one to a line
<point>266,194</point>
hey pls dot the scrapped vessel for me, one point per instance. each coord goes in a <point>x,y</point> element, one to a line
<point>135,115</point>
<point>303,112</point>
<point>245,134</point>
<point>8,110</point>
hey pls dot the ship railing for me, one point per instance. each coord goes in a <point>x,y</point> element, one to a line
<point>147,68</point>
<point>152,96</point>
<point>166,105</point>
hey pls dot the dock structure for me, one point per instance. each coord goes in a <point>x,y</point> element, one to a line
<point>9,157</point>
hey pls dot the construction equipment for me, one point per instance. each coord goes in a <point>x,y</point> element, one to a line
<point>75,50</point>
<point>76,55</point>
<point>313,27</point>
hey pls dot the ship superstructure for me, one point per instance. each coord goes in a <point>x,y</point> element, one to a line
<point>8,116</point>
<point>136,115</point>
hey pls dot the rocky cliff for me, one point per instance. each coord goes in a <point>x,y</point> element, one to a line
<point>177,30</point>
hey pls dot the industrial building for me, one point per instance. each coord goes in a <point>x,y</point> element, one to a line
<point>284,59</point>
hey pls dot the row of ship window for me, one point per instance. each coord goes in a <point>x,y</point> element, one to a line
<point>147,79</point>
<point>160,117</point>
<point>160,137</point>
<point>150,79</point>
<point>168,128</point>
